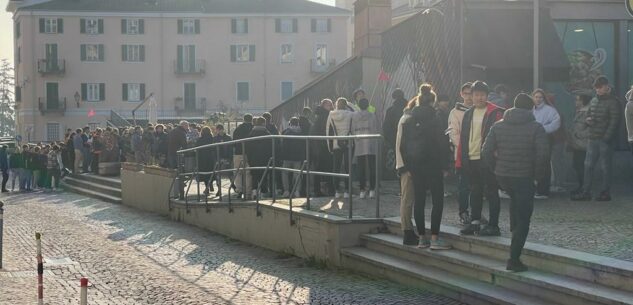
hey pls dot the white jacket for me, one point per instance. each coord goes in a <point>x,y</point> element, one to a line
<point>340,122</point>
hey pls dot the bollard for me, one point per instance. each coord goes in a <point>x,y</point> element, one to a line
<point>1,223</point>
<point>40,270</point>
<point>83,298</point>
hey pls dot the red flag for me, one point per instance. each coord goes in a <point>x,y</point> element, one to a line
<point>383,77</point>
<point>91,113</point>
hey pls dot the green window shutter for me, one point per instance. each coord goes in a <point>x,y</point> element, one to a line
<point>142,53</point>
<point>233,25</point>
<point>83,52</point>
<point>84,92</point>
<point>142,91</point>
<point>124,92</point>
<point>245,25</point>
<point>277,25</point>
<point>101,53</point>
<point>60,25</point>
<point>233,51</point>
<point>141,26</point>
<point>251,52</point>
<point>124,52</point>
<point>123,26</point>
<point>295,25</point>
<point>100,26</point>
<point>82,26</point>
<point>42,26</point>
<point>192,58</point>
<point>102,92</point>
<point>313,23</point>
<point>179,60</point>
<point>179,26</point>
<point>197,26</point>
<point>329,25</point>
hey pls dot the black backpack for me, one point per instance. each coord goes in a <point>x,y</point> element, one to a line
<point>419,140</point>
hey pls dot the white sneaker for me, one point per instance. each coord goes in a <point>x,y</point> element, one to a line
<point>286,194</point>
<point>362,195</point>
<point>503,195</point>
<point>338,195</point>
<point>346,195</point>
<point>372,194</point>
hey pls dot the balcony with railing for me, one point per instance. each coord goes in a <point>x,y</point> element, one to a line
<point>320,66</point>
<point>54,105</point>
<point>190,107</point>
<point>197,67</point>
<point>51,66</point>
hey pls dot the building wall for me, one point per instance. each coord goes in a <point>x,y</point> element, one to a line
<point>217,85</point>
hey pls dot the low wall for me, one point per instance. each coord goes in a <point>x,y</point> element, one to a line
<point>313,235</point>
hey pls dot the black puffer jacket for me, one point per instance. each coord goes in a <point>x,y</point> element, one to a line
<point>241,132</point>
<point>318,129</point>
<point>424,146</point>
<point>258,152</point>
<point>392,117</point>
<point>605,114</point>
<point>516,146</point>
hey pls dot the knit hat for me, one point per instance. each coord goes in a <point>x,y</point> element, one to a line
<point>523,101</point>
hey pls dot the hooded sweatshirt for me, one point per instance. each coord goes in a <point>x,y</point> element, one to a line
<point>516,146</point>
<point>338,124</point>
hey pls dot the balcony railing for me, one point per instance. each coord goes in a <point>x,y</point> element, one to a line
<point>197,67</point>
<point>51,66</point>
<point>52,105</point>
<point>197,107</point>
<point>317,66</point>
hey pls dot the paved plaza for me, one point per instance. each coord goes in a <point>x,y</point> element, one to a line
<point>133,257</point>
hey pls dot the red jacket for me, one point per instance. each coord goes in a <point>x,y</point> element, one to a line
<point>493,114</point>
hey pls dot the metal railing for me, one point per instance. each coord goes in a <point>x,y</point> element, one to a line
<point>191,174</point>
<point>196,67</point>
<point>52,105</point>
<point>51,66</point>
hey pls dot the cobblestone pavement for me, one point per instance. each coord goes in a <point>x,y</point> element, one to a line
<point>132,257</point>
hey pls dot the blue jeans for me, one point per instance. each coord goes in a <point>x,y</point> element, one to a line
<point>598,150</point>
<point>25,179</point>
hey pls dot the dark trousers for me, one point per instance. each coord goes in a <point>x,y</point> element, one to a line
<point>578,162</point>
<point>482,180</point>
<point>341,164</point>
<point>543,184</point>
<point>323,163</point>
<point>94,165</point>
<point>521,191</point>
<point>257,175</point>
<point>463,191</point>
<point>423,181</point>
<point>598,150</point>
<point>363,163</point>
<point>54,173</point>
<point>5,179</point>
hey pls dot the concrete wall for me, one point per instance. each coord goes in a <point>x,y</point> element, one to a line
<point>313,235</point>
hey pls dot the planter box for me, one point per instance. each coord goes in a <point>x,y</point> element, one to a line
<point>109,168</point>
<point>136,167</point>
<point>160,171</point>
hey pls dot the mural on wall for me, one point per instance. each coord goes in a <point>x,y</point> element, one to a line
<point>629,6</point>
<point>585,67</point>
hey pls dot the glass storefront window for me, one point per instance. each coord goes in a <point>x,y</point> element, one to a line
<point>630,36</point>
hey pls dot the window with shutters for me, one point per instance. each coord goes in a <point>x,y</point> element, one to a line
<point>92,26</point>
<point>242,54</point>
<point>133,92</point>
<point>240,25</point>
<point>133,53</point>
<point>50,25</point>
<point>321,25</point>
<point>287,53</point>
<point>243,91</point>
<point>132,26</point>
<point>52,132</point>
<point>286,90</point>
<point>93,93</point>
<point>286,25</point>
<point>92,52</point>
<point>321,55</point>
<point>189,26</point>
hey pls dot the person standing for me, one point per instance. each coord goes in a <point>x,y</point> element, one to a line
<point>305,121</point>
<point>392,118</point>
<point>97,147</point>
<point>176,140</point>
<point>629,117</point>
<point>365,150</point>
<point>578,139</point>
<point>87,155</point>
<point>603,121</point>
<point>160,145</point>
<point>339,123</point>
<point>78,144</point>
<point>258,154</point>
<point>54,165</point>
<point>206,159</point>
<point>242,177</point>
<point>516,149</point>
<point>425,155</point>
<point>319,152</point>
<point>137,145</point>
<point>475,127</point>
<point>407,198</point>
<point>455,118</point>
<point>4,167</point>
<point>15,167</point>
<point>547,116</point>
<point>226,154</point>
<point>293,152</point>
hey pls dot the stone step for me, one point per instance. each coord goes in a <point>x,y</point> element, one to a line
<point>108,181</point>
<point>602,270</point>
<point>96,187</point>
<point>91,193</point>
<point>406,272</point>
<point>546,285</point>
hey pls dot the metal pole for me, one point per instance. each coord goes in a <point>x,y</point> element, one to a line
<point>349,174</point>
<point>40,269</point>
<point>308,174</point>
<point>378,177</point>
<point>244,189</point>
<point>218,176</point>
<point>536,56</point>
<point>83,297</point>
<point>274,184</point>
<point>1,223</point>
<point>197,174</point>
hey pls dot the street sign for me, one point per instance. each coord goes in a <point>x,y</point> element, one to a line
<point>629,6</point>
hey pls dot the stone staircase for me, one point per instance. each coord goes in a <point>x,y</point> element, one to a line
<point>104,188</point>
<point>474,271</point>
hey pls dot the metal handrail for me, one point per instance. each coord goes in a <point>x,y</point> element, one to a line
<point>294,188</point>
<point>259,185</point>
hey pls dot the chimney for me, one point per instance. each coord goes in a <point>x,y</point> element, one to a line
<point>371,18</point>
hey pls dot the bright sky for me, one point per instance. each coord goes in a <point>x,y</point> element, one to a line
<point>6,29</point>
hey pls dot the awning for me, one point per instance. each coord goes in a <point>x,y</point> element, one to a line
<point>500,42</point>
